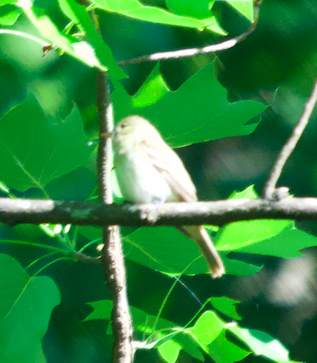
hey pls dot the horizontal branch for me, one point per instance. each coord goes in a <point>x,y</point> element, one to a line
<point>16,211</point>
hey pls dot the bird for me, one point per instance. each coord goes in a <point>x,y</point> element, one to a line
<point>148,170</point>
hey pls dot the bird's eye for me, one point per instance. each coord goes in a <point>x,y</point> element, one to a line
<point>123,125</point>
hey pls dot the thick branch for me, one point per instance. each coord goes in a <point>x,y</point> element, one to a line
<point>15,211</point>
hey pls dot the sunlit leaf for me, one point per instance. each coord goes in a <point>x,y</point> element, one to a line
<point>198,111</point>
<point>287,244</point>
<point>9,15</point>
<point>199,9</point>
<point>135,9</point>
<point>238,235</point>
<point>79,15</point>
<point>169,351</point>
<point>244,7</point>
<point>86,52</point>
<point>207,327</point>
<point>261,343</point>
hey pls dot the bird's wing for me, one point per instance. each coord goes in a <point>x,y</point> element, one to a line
<point>167,162</point>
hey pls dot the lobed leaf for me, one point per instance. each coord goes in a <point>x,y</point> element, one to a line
<point>34,151</point>
<point>197,111</point>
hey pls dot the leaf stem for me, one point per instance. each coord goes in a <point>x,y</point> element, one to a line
<point>51,263</point>
<point>24,35</point>
<point>39,245</point>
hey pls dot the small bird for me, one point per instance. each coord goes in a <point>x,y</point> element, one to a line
<point>149,171</point>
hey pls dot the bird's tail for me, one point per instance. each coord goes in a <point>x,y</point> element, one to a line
<point>204,242</point>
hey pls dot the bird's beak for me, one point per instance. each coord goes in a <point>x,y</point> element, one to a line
<point>107,135</point>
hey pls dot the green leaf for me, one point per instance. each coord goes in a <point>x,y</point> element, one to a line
<point>102,310</point>
<point>247,193</point>
<point>261,343</point>
<point>244,7</point>
<point>35,151</point>
<point>189,345</point>
<point>207,328</point>
<point>169,351</point>
<point>9,15</point>
<point>8,2</point>
<point>26,304</point>
<point>242,234</point>
<point>164,249</point>
<point>81,50</point>
<point>287,244</point>
<point>239,268</point>
<point>208,335</point>
<point>143,323</point>
<point>198,111</point>
<point>221,350</point>
<point>79,15</point>
<point>199,9</point>
<point>226,306</point>
<point>135,9</point>
<point>238,235</point>
<point>151,91</point>
<point>277,238</point>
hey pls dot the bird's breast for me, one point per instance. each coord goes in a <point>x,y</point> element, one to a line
<point>140,181</point>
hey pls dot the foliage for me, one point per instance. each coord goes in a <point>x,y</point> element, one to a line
<point>46,153</point>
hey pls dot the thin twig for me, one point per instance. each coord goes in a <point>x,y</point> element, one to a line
<point>288,148</point>
<point>185,53</point>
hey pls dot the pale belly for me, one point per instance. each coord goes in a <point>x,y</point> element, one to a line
<point>140,182</point>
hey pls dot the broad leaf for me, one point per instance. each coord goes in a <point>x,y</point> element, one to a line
<point>169,351</point>
<point>222,350</point>
<point>244,7</point>
<point>198,111</point>
<point>237,235</point>
<point>81,50</point>
<point>287,244</point>
<point>26,304</point>
<point>79,15</point>
<point>277,238</point>
<point>199,9</point>
<point>9,15</point>
<point>207,328</point>
<point>164,249</point>
<point>202,8</point>
<point>34,151</point>
<point>261,343</point>
<point>135,9</point>
<point>226,306</point>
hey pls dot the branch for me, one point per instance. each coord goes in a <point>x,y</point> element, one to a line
<point>112,254</point>
<point>185,53</point>
<point>15,211</point>
<point>288,148</point>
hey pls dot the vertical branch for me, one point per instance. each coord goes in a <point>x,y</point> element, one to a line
<point>112,254</point>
